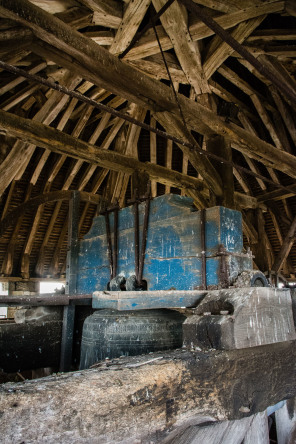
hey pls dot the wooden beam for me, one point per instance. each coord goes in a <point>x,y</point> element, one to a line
<point>128,145</point>
<point>131,20</point>
<point>100,67</point>
<point>218,145</point>
<point>168,160</point>
<point>263,252</point>
<point>35,202</point>
<point>39,268</point>
<point>71,282</point>
<point>19,97</point>
<point>106,12</point>
<point>220,51</point>
<point>267,122</point>
<point>62,143</point>
<point>17,81</point>
<point>148,45</point>
<point>175,127</point>
<point>77,17</point>
<point>248,89</point>
<point>285,112</point>
<point>25,259</point>
<point>277,69</point>
<point>175,23</point>
<point>285,248</point>
<point>267,35</point>
<point>153,155</point>
<point>290,7</point>
<point>277,194</point>
<point>151,395</point>
<point>21,152</point>
<point>276,218</point>
<point>154,67</point>
<point>7,264</point>
<point>222,5</point>
<point>54,268</point>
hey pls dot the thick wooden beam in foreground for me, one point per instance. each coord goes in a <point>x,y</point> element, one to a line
<point>147,397</point>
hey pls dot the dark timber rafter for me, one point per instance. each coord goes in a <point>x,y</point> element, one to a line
<point>286,247</point>
<point>59,142</point>
<point>289,92</point>
<point>35,202</point>
<point>100,67</point>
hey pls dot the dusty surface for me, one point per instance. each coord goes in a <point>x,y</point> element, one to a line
<point>145,398</point>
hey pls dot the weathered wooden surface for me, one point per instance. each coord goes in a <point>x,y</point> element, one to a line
<point>103,69</point>
<point>286,422</point>
<point>135,300</point>
<point>225,432</point>
<point>147,397</point>
<point>44,299</point>
<point>12,217</point>
<point>240,318</point>
<point>258,432</point>
<point>173,250</point>
<point>62,143</point>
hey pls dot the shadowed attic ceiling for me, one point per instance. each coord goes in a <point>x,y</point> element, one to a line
<point>223,106</point>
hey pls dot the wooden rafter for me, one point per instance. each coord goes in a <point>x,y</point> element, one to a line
<point>198,30</point>
<point>122,79</point>
<point>47,42</point>
<point>21,152</point>
<point>285,248</point>
<point>175,23</point>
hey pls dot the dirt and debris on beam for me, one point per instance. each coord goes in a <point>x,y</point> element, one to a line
<point>147,397</point>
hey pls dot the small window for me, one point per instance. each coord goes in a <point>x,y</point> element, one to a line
<point>52,287</point>
<point>3,292</point>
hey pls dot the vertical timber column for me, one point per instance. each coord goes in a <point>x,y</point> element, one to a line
<point>218,145</point>
<point>71,283</point>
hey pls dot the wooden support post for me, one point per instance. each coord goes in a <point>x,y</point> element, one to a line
<point>286,247</point>
<point>218,145</point>
<point>71,280</point>
<point>262,250</point>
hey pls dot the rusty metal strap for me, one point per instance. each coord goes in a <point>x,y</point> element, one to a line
<point>112,250</point>
<point>144,234</point>
<point>109,245</point>
<point>203,248</point>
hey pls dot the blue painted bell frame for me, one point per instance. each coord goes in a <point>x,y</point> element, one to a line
<point>173,252</point>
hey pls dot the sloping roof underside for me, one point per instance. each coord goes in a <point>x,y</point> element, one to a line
<point>203,68</point>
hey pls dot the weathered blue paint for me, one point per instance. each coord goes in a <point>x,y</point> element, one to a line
<point>173,253</point>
